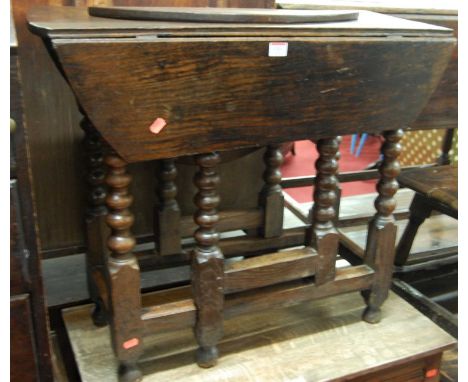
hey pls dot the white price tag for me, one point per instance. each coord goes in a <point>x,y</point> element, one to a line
<point>278,49</point>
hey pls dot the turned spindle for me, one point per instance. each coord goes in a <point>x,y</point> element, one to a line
<point>167,212</point>
<point>380,248</point>
<point>323,235</point>
<point>123,272</point>
<point>96,170</point>
<point>96,228</point>
<point>271,196</point>
<point>207,264</point>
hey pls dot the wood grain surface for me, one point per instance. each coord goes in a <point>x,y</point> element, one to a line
<point>442,109</point>
<point>276,345</point>
<point>438,183</point>
<point>239,100</point>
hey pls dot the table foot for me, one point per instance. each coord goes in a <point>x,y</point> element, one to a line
<point>207,356</point>
<point>129,372</point>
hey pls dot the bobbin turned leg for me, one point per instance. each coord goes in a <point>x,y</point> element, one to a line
<point>123,273</point>
<point>167,212</point>
<point>323,235</point>
<point>380,248</point>
<point>96,228</point>
<point>207,262</point>
<point>271,196</point>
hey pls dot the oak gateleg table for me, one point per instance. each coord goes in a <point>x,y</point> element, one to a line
<point>160,90</point>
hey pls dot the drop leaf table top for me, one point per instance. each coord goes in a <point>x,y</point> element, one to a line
<point>162,89</point>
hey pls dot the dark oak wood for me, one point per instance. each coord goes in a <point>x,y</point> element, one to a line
<point>96,228</point>
<point>29,318</point>
<point>167,213</point>
<point>380,247</point>
<point>441,111</point>
<point>123,276</point>
<point>419,212</point>
<point>266,98</point>
<point>174,309</point>
<point>271,198</point>
<point>269,269</point>
<point>439,184</point>
<point>207,264</point>
<point>23,360</point>
<point>322,234</point>
<point>221,15</point>
<point>229,220</point>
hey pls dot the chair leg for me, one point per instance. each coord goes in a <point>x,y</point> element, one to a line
<point>123,274</point>
<point>380,248</point>
<point>96,228</point>
<point>207,262</point>
<point>419,212</point>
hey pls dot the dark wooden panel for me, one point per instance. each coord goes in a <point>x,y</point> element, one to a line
<point>442,109</point>
<point>30,256</point>
<point>236,100</point>
<point>23,367</point>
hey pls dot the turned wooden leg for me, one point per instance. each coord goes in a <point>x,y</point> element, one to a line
<point>123,273</point>
<point>419,212</point>
<point>380,248</point>
<point>207,264</point>
<point>322,234</point>
<point>447,143</point>
<point>271,196</point>
<point>167,212</point>
<point>96,228</point>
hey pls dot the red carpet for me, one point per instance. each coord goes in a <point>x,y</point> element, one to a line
<point>303,163</point>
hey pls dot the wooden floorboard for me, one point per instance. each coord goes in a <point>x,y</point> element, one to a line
<point>315,341</point>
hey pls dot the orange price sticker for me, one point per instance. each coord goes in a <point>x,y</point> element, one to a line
<point>130,343</point>
<point>432,373</point>
<point>158,125</point>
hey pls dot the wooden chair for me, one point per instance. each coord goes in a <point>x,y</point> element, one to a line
<point>436,189</point>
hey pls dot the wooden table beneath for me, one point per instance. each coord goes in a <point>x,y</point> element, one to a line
<point>317,341</point>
